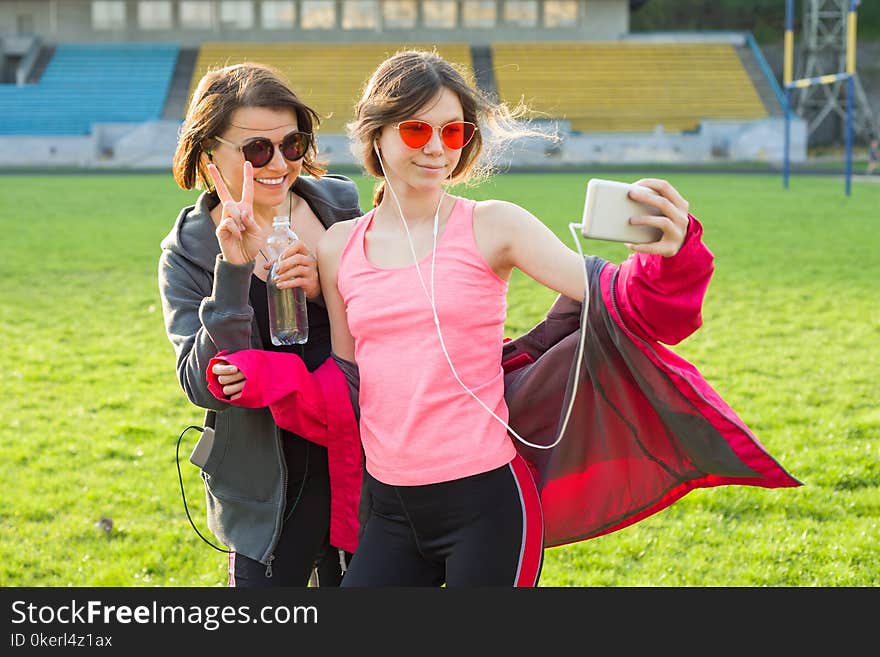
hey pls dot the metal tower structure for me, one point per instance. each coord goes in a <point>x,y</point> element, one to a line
<point>823,50</point>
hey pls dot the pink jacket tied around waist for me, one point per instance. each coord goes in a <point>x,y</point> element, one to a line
<point>315,405</point>
<point>646,427</point>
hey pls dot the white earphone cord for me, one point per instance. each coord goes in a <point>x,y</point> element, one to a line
<point>431,300</point>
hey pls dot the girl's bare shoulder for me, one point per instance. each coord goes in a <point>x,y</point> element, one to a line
<point>336,236</point>
<point>495,210</point>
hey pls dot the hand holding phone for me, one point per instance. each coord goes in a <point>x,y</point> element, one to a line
<point>608,208</point>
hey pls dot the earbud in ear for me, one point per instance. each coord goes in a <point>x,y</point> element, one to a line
<point>378,155</point>
<point>210,154</point>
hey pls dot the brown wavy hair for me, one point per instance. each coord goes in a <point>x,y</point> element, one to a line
<point>222,91</point>
<point>405,83</point>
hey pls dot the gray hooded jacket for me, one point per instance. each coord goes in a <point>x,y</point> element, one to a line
<point>205,302</point>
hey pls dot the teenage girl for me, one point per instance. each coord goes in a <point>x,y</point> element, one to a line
<point>416,293</point>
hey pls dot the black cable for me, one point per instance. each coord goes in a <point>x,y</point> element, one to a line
<point>183,494</point>
<point>302,487</point>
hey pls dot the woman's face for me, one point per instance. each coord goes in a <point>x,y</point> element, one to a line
<point>427,167</point>
<point>272,180</point>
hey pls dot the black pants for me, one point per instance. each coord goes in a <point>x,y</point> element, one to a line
<point>303,550</point>
<point>482,530</point>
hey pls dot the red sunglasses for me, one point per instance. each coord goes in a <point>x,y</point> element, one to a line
<point>454,135</point>
<point>260,151</point>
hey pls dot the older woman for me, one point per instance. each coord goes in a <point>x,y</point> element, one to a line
<point>249,141</point>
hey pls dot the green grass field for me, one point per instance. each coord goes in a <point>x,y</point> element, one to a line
<point>790,339</point>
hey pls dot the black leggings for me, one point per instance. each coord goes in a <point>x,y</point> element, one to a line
<point>304,544</point>
<point>482,530</point>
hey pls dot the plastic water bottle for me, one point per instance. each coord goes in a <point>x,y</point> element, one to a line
<point>288,314</point>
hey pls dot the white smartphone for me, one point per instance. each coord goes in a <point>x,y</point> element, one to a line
<point>607,210</point>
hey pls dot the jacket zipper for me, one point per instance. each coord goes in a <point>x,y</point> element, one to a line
<point>342,566</point>
<point>283,502</point>
<point>284,477</point>
<point>271,557</point>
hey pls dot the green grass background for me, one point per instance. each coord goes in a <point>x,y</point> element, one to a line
<point>92,409</point>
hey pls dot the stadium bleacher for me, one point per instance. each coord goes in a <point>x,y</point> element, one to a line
<point>611,91</point>
<point>86,84</point>
<point>627,86</point>
<point>613,86</point>
<point>597,86</point>
<point>329,77</point>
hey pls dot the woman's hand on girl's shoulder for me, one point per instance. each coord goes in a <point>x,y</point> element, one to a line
<point>673,220</point>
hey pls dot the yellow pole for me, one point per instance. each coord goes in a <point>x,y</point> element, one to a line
<point>788,61</point>
<point>851,41</point>
<point>789,58</point>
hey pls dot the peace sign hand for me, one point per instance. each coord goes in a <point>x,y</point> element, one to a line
<point>238,233</point>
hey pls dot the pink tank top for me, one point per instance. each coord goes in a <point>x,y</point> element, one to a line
<point>418,425</point>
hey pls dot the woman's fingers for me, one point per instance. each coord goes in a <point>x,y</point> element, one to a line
<point>297,247</point>
<point>223,368</point>
<point>670,241</point>
<point>297,258</point>
<point>661,248</point>
<point>299,270</point>
<point>247,188</point>
<point>231,210</point>
<point>219,184</point>
<point>233,391</point>
<point>228,229</point>
<point>294,274</point>
<point>673,220</point>
<point>228,235</point>
<point>227,379</point>
<point>227,373</point>
<point>243,208</point>
<point>295,266</point>
<point>661,203</point>
<point>294,257</point>
<point>657,221</point>
<point>665,189</point>
<point>230,378</point>
<point>249,223</point>
<point>238,233</point>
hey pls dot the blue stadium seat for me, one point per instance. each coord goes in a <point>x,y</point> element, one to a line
<point>91,83</point>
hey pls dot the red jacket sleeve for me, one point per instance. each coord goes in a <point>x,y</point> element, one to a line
<point>282,382</point>
<point>315,405</point>
<point>661,298</point>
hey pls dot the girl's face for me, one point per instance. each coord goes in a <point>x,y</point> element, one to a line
<point>427,167</point>
<point>273,179</point>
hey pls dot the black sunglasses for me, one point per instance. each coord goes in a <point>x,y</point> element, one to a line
<point>260,151</point>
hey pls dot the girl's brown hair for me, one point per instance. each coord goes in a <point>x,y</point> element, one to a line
<point>219,93</point>
<point>404,84</point>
